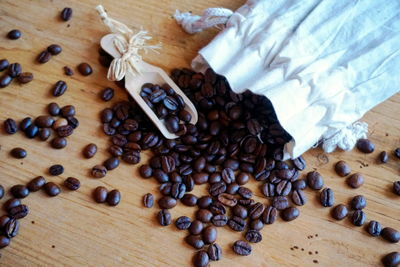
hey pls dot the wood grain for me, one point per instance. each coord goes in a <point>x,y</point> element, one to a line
<point>71,230</point>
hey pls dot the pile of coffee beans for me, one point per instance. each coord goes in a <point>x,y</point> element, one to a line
<point>13,71</point>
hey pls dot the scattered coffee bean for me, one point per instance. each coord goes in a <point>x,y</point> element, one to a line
<point>111,163</point>
<point>66,14</point>
<point>14,70</point>
<point>2,191</point>
<point>53,109</point>
<point>18,212</point>
<point>19,191</point>
<point>99,171</point>
<point>89,151</point>
<point>44,121</point>
<point>209,234</point>
<point>391,260</point>
<point>355,180</point>
<point>383,157</point>
<point>299,198</point>
<point>390,234</point>
<point>365,146</point>
<point>242,248</point>
<point>25,77</point>
<point>397,153</point>
<point>183,223</point>
<point>100,194</point>
<point>32,131</point>
<point>374,228</point>
<point>59,142</point>
<point>315,180</point>
<point>327,197</point>
<point>10,126</point>
<point>280,202</point>
<point>4,219</point>
<point>72,183</point>
<point>18,153</point>
<point>36,184</point>
<point>4,64</point>
<point>396,187</point>
<point>85,69</point>
<point>60,123</point>
<point>59,88</point>
<point>113,197</point>
<point>54,49</point>
<point>68,111</point>
<point>148,200</point>
<point>11,203</point>
<point>358,218</point>
<point>5,80</point>
<point>189,200</point>
<point>12,228</point>
<point>237,224</point>
<point>167,202</point>
<point>358,202</point>
<point>43,57</point>
<point>164,217</point>
<point>68,71</point>
<point>14,34</point>
<point>52,189</point>
<point>339,212</point>
<point>214,252</point>
<point>195,241</point>
<point>56,170</point>
<point>107,94</point>
<point>4,241</point>
<point>342,168</point>
<point>201,259</point>
<point>299,185</point>
<point>219,220</point>
<point>269,215</point>
<point>25,123</point>
<point>289,214</point>
<point>253,236</point>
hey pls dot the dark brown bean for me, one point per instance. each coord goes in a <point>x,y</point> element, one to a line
<point>36,184</point>
<point>59,88</point>
<point>89,151</point>
<point>54,49</point>
<point>18,212</point>
<point>390,234</point>
<point>68,71</point>
<point>5,80</point>
<point>14,70</point>
<point>14,34</point>
<point>19,191</point>
<point>183,223</point>
<point>355,180</point>
<point>164,217</point>
<point>365,146</point>
<point>85,69</point>
<point>391,260</point>
<point>214,252</point>
<point>100,194</point>
<point>10,126</point>
<point>299,198</point>
<point>167,202</point>
<point>52,189</point>
<point>56,170</point>
<point>148,200</point>
<point>43,57</point>
<point>107,94</point>
<point>342,168</point>
<point>59,142</point>
<point>72,183</point>
<point>383,157</point>
<point>66,14</point>
<point>374,228</point>
<point>339,212</point>
<point>358,218</point>
<point>113,197</point>
<point>327,197</point>
<point>4,64</point>
<point>315,180</point>
<point>18,153</point>
<point>242,248</point>
<point>196,227</point>
<point>11,203</point>
<point>289,214</point>
<point>25,77</point>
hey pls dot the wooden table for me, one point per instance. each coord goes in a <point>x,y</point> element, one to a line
<point>73,230</point>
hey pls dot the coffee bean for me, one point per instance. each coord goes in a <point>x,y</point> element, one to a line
<point>73,122</point>
<point>358,202</point>
<point>204,215</point>
<point>14,70</point>
<point>12,228</point>
<point>242,248</point>
<point>2,191</point>
<point>242,178</point>
<point>240,211</point>
<point>237,224</point>
<point>4,219</point>
<point>44,121</point>
<point>183,223</point>
<point>167,202</point>
<point>315,180</point>
<point>59,142</point>
<point>269,215</point>
<point>355,180</point>
<point>339,212</point>
<point>5,80</point>
<point>68,111</point>
<point>178,190</point>
<point>59,88</point>
<point>43,57</point>
<point>280,202</point>
<point>374,228</point>
<point>18,153</point>
<point>65,131</point>
<point>19,191</point>
<point>196,227</point>
<point>201,259</point>
<point>11,203</point>
<point>89,151</point>
<point>253,236</point>
<point>195,241</point>
<point>4,241</point>
<point>54,49</point>
<point>107,94</point>
<point>36,184</point>
<point>219,220</point>
<point>100,194</point>
<point>397,153</point>
<point>14,34</point>
<point>227,199</point>
<point>56,170</point>
<point>283,188</point>
<point>18,212</point>
<point>4,64</point>
<point>289,214</point>
<point>25,77</point>
<point>10,126</point>
<point>113,197</point>
<point>85,69</point>
<point>72,183</point>
<point>396,187</point>
<point>164,217</point>
<point>390,234</point>
<point>391,260</point>
<point>209,234</point>
<point>60,123</point>
<point>214,252</point>
<point>52,189</point>
<point>327,197</point>
<point>66,14</point>
<point>256,210</point>
<point>358,218</point>
<point>25,123</point>
<point>111,163</point>
<point>299,198</point>
<point>68,71</point>
<point>145,171</point>
<point>172,124</point>
<point>365,146</point>
<point>342,169</point>
<point>189,200</point>
<point>383,157</point>
<point>245,192</point>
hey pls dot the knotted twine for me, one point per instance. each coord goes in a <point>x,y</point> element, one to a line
<point>128,44</point>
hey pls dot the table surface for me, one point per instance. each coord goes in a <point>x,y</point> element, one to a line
<point>73,230</point>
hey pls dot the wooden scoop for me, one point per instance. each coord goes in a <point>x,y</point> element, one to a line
<point>149,74</point>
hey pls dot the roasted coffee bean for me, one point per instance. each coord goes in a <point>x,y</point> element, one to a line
<point>358,218</point>
<point>11,203</point>
<point>200,178</point>
<point>172,124</point>
<point>214,252</point>
<point>237,224</point>
<point>2,191</point>
<point>65,131</point>
<point>44,134</point>
<point>56,170</point>
<point>164,217</point>
<point>289,214</point>
<point>358,202</point>
<point>89,151</point>
<point>54,49</point>
<point>85,69</point>
<point>178,190</point>
<point>391,260</point>
<point>253,236</point>
<point>100,194</point>
<point>111,163</point>
<point>60,123</point>
<point>315,180</point>
<point>5,80</point>
<point>283,188</point>
<point>245,192</point>
<point>327,197</point>
<point>355,180</point>
<point>68,71</point>
<point>18,212</point>
<point>383,157</point>
<point>374,228</point>
<point>145,171</point>
<point>390,234</point>
<point>196,227</point>
<point>10,126</point>
<point>299,185</point>
<point>43,57</point>
<point>227,199</point>
<point>148,200</point>
<point>25,123</point>
<point>4,64</point>
<point>52,189</point>
<point>4,219</point>
<point>72,183</point>
<point>167,202</point>
<point>209,234</point>
<point>59,142</point>
<point>18,153</point>
<point>268,189</point>
<point>14,70</point>
<point>107,94</point>
<point>189,200</point>
<point>167,164</point>
<point>256,210</point>
<point>269,215</point>
<point>242,178</point>
<point>68,111</point>
<point>280,202</point>
<point>204,202</point>
<point>36,184</point>
<point>66,14</point>
<point>195,241</point>
<point>113,197</point>
<point>59,88</point>
<point>339,212</point>
<point>397,153</point>
<point>219,220</point>
<point>12,227</point>
<point>299,198</point>
<point>240,211</point>
<point>228,175</point>
<point>170,103</point>
<point>396,187</point>
<point>183,223</point>
<point>106,115</point>
<point>19,191</point>
<point>160,176</point>
<point>14,34</point>
<point>342,168</point>
<point>25,77</point>
<point>44,121</point>
<point>242,248</point>
<point>365,145</point>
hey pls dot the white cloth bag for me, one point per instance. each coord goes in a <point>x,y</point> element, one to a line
<point>322,63</point>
